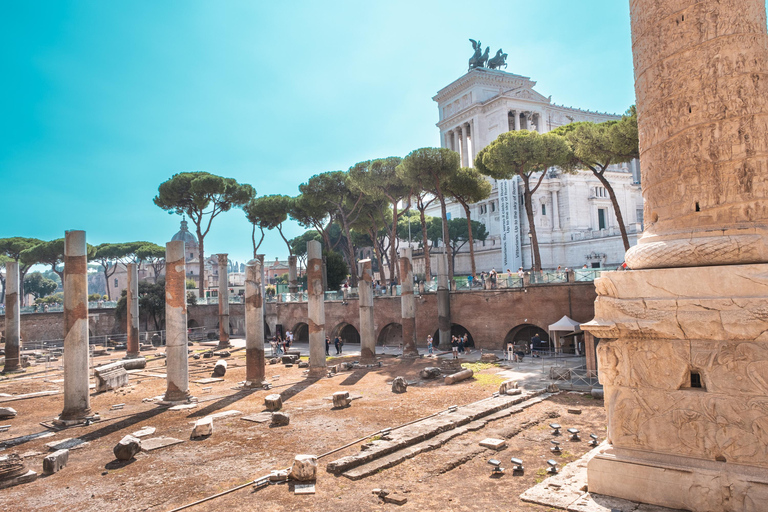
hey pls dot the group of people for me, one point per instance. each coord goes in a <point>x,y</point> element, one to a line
<point>338,343</point>
<point>459,345</point>
<point>279,344</point>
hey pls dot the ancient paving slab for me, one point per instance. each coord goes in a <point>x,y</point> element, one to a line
<point>155,443</point>
<point>71,443</point>
<point>8,443</point>
<point>388,452</point>
<point>29,476</point>
<point>182,407</point>
<point>304,489</point>
<point>145,431</point>
<point>31,395</point>
<point>492,443</point>
<point>209,380</point>
<point>261,417</point>
<point>224,414</point>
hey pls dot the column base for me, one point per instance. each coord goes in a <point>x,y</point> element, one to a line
<point>17,369</point>
<point>71,422</point>
<point>170,402</point>
<point>254,384</point>
<point>222,346</point>
<point>678,482</point>
<point>133,355</point>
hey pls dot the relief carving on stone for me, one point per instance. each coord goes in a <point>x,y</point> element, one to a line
<point>637,363</point>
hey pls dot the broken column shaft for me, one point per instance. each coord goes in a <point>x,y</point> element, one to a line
<point>293,283</point>
<point>365,301</point>
<point>12,317</point>
<point>223,302</point>
<point>407,306</point>
<point>316,307</point>
<point>77,400</point>
<point>254,325</point>
<point>443,302</point>
<point>177,363</point>
<point>132,313</point>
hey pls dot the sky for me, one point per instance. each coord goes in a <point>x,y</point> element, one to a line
<point>100,102</point>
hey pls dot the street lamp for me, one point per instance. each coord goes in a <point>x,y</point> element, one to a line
<point>530,241</point>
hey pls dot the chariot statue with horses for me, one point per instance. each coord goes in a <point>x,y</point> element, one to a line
<point>480,59</point>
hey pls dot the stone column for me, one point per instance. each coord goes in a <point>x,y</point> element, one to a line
<point>462,145</point>
<point>365,301</point>
<point>254,325</point>
<point>223,302</point>
<point>470,127</point>
<point>177,361</point>
<point>132,312</point>
<point>407,305</point>
<point>517,120</point>
<point>555,211</point>
<point>316,307</point>
<point>443,302</point>
<point>77,399</point>
<point>12,317</point>
<point>293,282</point>
<point>683,355</point>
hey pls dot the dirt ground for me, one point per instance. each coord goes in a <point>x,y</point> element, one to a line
<point>240,451</point>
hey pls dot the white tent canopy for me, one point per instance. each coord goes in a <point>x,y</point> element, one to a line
<point>565,324</point>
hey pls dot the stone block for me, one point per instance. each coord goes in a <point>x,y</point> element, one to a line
<point>289,359</point>
<point>135,363</point>
<point>399,385</point>
<point>203,428</point>
<point>559,373</point>
<point>304,468</point>
<point>279,475</point>
<point>492,443</point>
<point>273,360</point>
<point>598,393</point>
<point>489,358</point>
<point>395,499</point>
<point>220,369</point>
<point>506,386</point>
<point>127,448</point>
<point>29,476</point>
<point>55,461</point>
<point>303,364</point>
<point>552,388</point>
<point>7,412</point>
<point>457,377</point>
<point>280,419</point>
<point>430,372</point>
<point>273,402</point>
<point>341,399</point>
<point>66,444</point>
<point>110,376</point>
<point>155,443</point>
<point>145,431</point>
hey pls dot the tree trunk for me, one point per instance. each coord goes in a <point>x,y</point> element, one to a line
<point>201,268</point>
<point>107,275</point>
<point>425,242</point>
<point>350,251</point>
<point>471,239</point>
<point>447,234</point>
<point>616,209</point>
<point>22,275</point>
<point>392,240</point>
<point>528,195</point>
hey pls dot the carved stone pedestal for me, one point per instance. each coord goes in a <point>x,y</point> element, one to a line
<point>683,357</point>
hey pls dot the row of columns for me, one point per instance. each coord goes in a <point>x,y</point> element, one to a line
<point>462,140</point>
<point>530,121</point>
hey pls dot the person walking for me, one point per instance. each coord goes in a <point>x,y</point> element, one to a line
<point>327,345</point>
<point>454,347</point>
<point>429,344</point>
<point>461,344</point>
<point>336,345</point>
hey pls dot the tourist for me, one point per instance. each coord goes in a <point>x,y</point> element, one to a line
<point>461,344</point>
<point>535,341</point>
<point>327,345</point>
<point>337,345</point>
<point>341,345</point>
<point>469,280</point>
<point>492,277</point>
<point>454,347</point>
<point>429,344</point>
<point>466,344</point>
<point>520,272</point>
<point>585,266</point>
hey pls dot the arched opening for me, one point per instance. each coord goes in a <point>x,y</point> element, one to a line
<point>301,332</point>
<point>346,332</point>
<point>522,334</point>
<point>230,328</point>
<point>390,334</point>
<point>192,323</point>
<point>456,330</point>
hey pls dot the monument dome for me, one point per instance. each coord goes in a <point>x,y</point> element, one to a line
<point>191,246</point>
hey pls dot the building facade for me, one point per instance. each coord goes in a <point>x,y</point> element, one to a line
<point>574,218</point>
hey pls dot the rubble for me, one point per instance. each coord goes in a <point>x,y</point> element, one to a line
<point>55,461</point>
<point>273,402</point>
<point>203,428</point>
<point>341,399</point>
<point>280,419</point>
<point>304,468</point>
<point>127,448</point>
<point>430,372</point>
<point>457,377</point>
<point>220,369</point>
<point>399,385</point>
<point>110,376</point>
<point>7,412</point>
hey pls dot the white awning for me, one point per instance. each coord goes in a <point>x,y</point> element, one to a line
<point>566,324</point>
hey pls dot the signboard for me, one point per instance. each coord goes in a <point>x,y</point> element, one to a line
<point>509,213</point>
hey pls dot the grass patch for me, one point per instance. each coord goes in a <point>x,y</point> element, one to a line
<point>542,475</point>
<point>375,438</point>
<point>477,367</point>
<point>488,379</point>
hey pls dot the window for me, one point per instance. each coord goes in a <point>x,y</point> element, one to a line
<point>639,213</point>
<point>601,224</point>
<point>116,283</point>
<point>191,255</point>
<point>493,206</point>
<point>543,209</point>
<point>600,192</point>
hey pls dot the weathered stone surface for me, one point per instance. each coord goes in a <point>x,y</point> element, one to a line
<point>399,385</point>
<point>304,468</point>
<point>29,476</point>
<point>110,376</point>
<point>489,357</point>
<point>203,428</point>
<point>341,399</point>
<point>273,360</point>
<point>273,402</point>
<point>430,372</point>
<point>127,448</point>
<point>598,393</point>
<point>261,417</point>
<point>134,363</point>
<point>559,373</point>
<point>506,386</point>
<point>459,376</point>
<point>220,369</point>
<point>303,364</point>
<point>55,461</point>
<point>280,419</point>
<point>279,475</point>
<point>492,443</point>
<point>552,388</point>
<point>155,443</point>
<point>289,359</point>
<point>395,498</point>
<point>70,443</point>
<point>7,412</point>
<point>145,431</point>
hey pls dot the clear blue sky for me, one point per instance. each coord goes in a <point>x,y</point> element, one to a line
<point>101,101</point>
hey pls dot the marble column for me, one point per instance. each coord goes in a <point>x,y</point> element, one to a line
<point>555,211</point>
<point>254,325</point>
<point>316,307</point>
<point>471,143</point>
<point>443,302</point>
<point>132,312</point>
<point>293,282</point>
<point>407,304</point>
<point>517,120</point>
<point>77,399</point>
<point>12,317</point>
<point>683,352</point>
<point>177,360</point>
<point>365,301</point>
<point>223,301</point>
<point>463,145</point>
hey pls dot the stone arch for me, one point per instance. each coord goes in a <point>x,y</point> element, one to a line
<point>456,330</point>
<point>231,330</point>
<point>192,323</point>
<point>523,333</point>
<point>347,332</point>
<point>301,332</point>
<point>390,334</point>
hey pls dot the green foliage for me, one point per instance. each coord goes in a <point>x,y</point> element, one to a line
<point>38,285</point>
<point>270,289</point>
<point>414,216</point>
<point>458,231</point>
<point>337,269</point>
<point>379,178</point>
<point>191,298</point>
<point>190,284</point>
<point>299,243</point>
<point>521,152</point>
<point>468,186</point>
<point>94,297</point>
<point>282,279</point>
<point>151,302</point>
<point>269,212</point>
<point>429,168</point>
<point>152,254</point>
<point>56,298</point>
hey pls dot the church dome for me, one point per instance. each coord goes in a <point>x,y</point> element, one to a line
<point>185,236</point>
